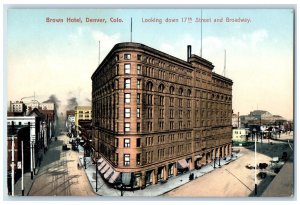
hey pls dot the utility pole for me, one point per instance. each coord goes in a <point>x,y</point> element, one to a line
<point>131,29</point>
<point>31,159</point>
<point>22,168</point>
<point>31,154</point>
<point>99,54</point>
<point>255,188</point>
<point>201,36</point>
<point>13,166</point>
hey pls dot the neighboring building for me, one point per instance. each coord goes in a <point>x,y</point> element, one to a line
<point>47,106</point>
<point>156,116</point>
<point>82,113</point>
<point>261,117</point>
<point>22,128</point>
<point>17,107</point>
<point>70,121</point>
<point>235,120</point>
<point>240,135</point>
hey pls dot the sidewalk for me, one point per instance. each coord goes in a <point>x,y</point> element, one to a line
<point>153,190</point>
<point>27,179</point>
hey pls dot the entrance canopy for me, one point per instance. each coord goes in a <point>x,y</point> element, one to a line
<point>105,169</point>
<point>100,160</point>
<point>108,173</point>
<point>101,165</point>
<point>114,177</point>
<point>182,164</point>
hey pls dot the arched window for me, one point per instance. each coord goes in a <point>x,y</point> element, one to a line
<point>189,92</point>
<point>180,91</point>
<point>161,88</point>
<point>149,86</point>
<point>171,90</point>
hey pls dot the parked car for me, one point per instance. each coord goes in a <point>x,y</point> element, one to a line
<point>65,147</point>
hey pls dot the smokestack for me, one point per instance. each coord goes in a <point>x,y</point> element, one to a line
<point>189,52</point>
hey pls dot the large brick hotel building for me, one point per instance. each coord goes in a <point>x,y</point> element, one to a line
<point>156,116</point>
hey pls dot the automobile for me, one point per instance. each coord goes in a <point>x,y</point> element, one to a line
<point>65,147</point>
<point>249,166</point>
<point>75,147</point>
<point>262,165</point>
<point>262,175</point>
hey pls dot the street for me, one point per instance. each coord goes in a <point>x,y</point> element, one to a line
<point>234,179</point>
<point>59,174</point>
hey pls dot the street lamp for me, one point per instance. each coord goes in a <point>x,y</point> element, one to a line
<point>122,189</point>
<point>84,156</point>
<point>96,175</point>
<point>215,159</point>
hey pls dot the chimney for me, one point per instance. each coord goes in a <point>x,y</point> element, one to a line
<point>189,52</point>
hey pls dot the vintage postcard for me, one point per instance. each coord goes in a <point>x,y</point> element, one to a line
<point>168,102</point>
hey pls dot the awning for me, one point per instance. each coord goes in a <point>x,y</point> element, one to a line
<point>100,160</point>
<point>114,177</point>
<point>198,157</point>
<point>105,169</point>
<point>126,178</point>
<point>108,173</point>
<point>101,166</point>
<point>182,164</point>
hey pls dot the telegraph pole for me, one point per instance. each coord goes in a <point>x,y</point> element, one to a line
<point>99,54</point>
<point>22,168</point>
<point>131,29</point>
<point>255,180</point>
<point>31,159</point>
<point>201,36</point>
<point>31,155</point>
<point>13,166</point>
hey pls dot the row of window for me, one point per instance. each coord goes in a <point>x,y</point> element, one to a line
<point>127,56</point>
<point>127,69</point>
<point>127,112</point>
<point>161,139</point>
<point>127,142</point>
<point>126,158</point>
<point>161,126</point>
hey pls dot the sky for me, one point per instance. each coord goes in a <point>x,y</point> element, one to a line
<point>59,58</point>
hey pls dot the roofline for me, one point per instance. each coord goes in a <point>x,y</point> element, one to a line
<point>143,48</point>
<point>222,78</point>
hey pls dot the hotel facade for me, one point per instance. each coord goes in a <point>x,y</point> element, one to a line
<point>156,116</point>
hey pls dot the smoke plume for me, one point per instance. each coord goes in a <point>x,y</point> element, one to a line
<point>72,103</point>
<point>53,99</point>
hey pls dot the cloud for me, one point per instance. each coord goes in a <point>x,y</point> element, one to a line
<point>257,37</point>
<point>106,41</point>
<point>167,48</point>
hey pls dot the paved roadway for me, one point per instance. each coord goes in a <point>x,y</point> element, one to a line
<point>59,174</point>
<point>234,179</point>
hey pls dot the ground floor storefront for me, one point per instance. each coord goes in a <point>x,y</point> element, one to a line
<point>162,172</point>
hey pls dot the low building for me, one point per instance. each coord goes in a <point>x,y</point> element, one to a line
<point>235,120</point>
<point>261,117</point>
<point>22,128</point>
<point>82,113</point>
<point>17,107</point>
<point>70,121</point>
<point>240,135</point>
